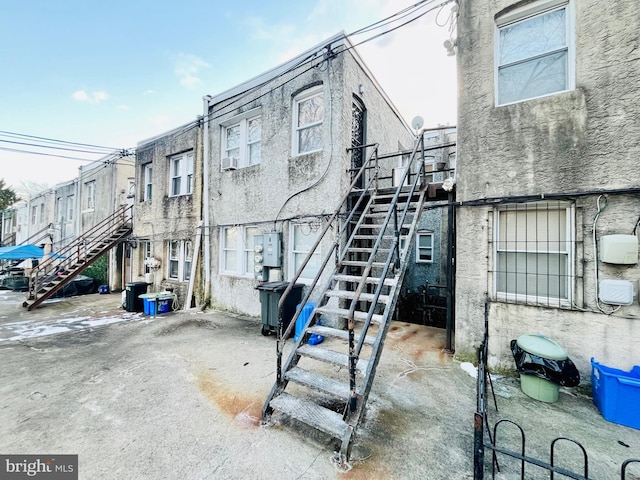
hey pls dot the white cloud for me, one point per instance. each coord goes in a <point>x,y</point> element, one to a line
<point>123,107</point>
<point>149,92</point>
<point>187,67</point>
<point>94,97</point>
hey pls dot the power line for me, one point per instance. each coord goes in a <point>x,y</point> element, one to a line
<point>52,140</point>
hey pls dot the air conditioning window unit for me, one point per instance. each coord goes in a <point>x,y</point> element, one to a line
<point>229,163</point>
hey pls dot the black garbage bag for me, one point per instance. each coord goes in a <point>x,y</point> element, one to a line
<point>562,372</point>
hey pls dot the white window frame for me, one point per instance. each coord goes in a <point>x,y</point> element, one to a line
<point>147,174</point>
<point>529,12</point>
<point>568,250</point>
<point>183,174</point>
<point>305,277</point>
<point>146,253</point>
<point>243,248</point>
<point>245,144</point>
<point>308,94</point>
<point>419,248</point>
<point>181,255</point>
<point>70,207</point>
<point>34,213</point>
<point>90,195</point>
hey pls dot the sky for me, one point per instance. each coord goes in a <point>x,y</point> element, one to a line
<point>115,73</point>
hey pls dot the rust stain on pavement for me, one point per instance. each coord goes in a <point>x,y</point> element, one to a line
<point>243,409</point>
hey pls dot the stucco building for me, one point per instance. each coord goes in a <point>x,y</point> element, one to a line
<point>548,128</point>
<point>277,147</point>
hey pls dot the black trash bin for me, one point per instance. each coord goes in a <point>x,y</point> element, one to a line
<point>270,295</point>
<point>133,302</point>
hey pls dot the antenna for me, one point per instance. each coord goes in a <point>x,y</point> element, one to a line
<point>417,123</point>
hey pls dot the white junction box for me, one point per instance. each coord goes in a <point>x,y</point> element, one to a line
<point>620,249</point>
<point>616,292</point>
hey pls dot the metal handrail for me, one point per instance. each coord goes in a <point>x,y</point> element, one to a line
<point>77,251</point>
<point>281,336</point>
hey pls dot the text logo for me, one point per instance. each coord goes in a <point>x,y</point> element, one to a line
<point>39,467</point>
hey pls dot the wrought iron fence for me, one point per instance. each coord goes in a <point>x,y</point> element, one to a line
<point>487,440</point>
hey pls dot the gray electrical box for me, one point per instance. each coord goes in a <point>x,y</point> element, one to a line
<point>271,252</point>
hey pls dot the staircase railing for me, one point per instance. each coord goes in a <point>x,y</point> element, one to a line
<point>77,252</point>
<point>281,336</point>
<point>371,186</point>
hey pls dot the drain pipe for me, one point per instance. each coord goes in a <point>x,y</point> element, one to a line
<point>205,200</point>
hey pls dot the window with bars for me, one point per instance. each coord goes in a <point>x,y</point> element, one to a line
<point>534,251</point>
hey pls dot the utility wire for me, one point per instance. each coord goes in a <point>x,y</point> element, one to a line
<point>52,140</point>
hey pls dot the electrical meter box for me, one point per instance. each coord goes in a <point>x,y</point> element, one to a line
<point>258,258</point>
<point>616,292</point>
<point>619,249</point>
<point>271,249</point>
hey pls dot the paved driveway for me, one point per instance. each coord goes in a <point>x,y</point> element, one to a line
<point>179,397</point>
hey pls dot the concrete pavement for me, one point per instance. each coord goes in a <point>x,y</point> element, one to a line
<point>179,396</point>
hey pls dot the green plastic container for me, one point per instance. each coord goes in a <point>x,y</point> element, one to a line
<point>535,387</point>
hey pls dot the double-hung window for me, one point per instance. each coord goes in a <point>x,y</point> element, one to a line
<point>34,211</point>
<point>237,253</point>
<point>534,251</point>
<point>302,238</point>
<point>424,247</point>
<point>534,51</point>
<point>146,253</point>
<point>308,117</point>
<point>70,207</point>
<point>242,142</point>
<point>147,170</point>
<point>90,195</point>
<point>181,168</point>
<point>180,258</point>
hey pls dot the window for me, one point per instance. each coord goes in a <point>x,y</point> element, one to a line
<point>41,214</point>
<point>534,253</point>
<point>181,174</point>
<point>302,238</point>
<point>180,257</point>
<point>70,207</point>
<point>237,250</point>
<point>58,209</point>
<point>90,195</point>
<point>308,115</point>
<point>424,247</point>
<point>242,141</point>
<point>146,253</point>
<point>148,186</point>
<point>534,50</point>
<point>34,211</point>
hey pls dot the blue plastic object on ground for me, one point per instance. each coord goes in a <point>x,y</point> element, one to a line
<point>616,393</point>
<point>307,310</point>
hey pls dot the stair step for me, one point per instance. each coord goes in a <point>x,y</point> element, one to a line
<point>382,214</point>
<point>358,263</point>
<point>344,313</point>
<point>356,279</point>
<point>318,382</point>
<point>330,356</point>
<point>336,333</point>
<point>372,237</point>
<point>365,297</point>
<point>365,250</point>
<point>310,413</point>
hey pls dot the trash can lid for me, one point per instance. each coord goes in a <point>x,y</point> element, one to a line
<point>541,346</point>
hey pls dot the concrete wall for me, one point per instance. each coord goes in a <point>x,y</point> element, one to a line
<point>285,188</point>
<point>165,218</point>
<point>577,141</point>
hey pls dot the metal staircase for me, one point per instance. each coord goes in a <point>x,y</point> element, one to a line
<point>50,275</point>
<point>327,385</point>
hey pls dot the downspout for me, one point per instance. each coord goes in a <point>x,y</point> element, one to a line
<point>205,201</point>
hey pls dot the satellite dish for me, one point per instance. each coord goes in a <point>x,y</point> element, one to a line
<point>417,122</point>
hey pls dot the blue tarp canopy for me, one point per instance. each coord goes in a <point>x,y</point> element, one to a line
<point>20,252</point>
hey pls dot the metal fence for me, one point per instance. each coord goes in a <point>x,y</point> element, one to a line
<point>488,440</point>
